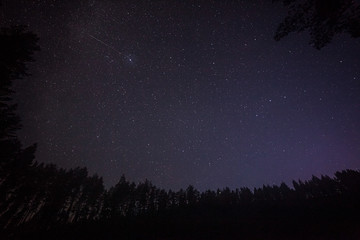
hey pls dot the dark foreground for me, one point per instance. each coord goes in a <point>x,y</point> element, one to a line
<point>304,220</point>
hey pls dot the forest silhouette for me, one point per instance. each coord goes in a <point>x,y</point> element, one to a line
<point>322,19</point>
<point>42,201</point>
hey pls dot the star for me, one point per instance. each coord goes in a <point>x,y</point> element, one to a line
<point>172,85</point>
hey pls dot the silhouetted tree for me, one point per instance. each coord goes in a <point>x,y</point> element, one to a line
<point>192,195</point>
<point>181,198</point>
<point>120,199</point>
<point>208,199</point>
<point>163,200</point>
<point>323,19</point>
<point>349,182</point>
<point>245,195</point>
<point>17,46</point>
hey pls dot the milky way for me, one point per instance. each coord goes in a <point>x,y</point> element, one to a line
<point>186,92</point>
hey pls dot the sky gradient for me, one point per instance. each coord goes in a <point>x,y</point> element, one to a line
<point>186,92</point>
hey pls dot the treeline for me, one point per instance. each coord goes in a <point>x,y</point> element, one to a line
<point>42,195</point>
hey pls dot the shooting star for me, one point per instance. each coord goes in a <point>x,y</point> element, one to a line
<point>109,46</point>
<point>105,44</point>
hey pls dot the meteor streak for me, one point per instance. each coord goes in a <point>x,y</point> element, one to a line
<point>109,46</point>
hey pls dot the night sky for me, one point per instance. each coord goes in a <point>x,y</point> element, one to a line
<point>186,92</point>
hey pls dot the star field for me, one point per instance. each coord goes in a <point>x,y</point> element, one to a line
<point>186,92</point>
